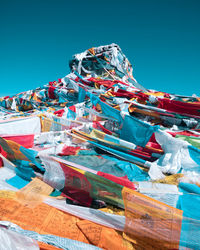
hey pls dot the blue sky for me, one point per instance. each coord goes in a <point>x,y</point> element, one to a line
<point>161,38</point>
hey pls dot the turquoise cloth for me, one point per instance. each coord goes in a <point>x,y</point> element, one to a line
<point>136,131</point>
<point>189,203</point>
<point>17,182</point>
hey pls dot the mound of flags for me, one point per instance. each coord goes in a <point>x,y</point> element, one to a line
<point>95,160</point>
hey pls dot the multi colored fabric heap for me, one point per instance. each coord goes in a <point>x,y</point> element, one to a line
<point>95,160</point>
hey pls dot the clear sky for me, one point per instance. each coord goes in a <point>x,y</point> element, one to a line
<point>161,38</point>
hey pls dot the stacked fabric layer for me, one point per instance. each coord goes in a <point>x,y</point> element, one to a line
<point>95,160</point>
